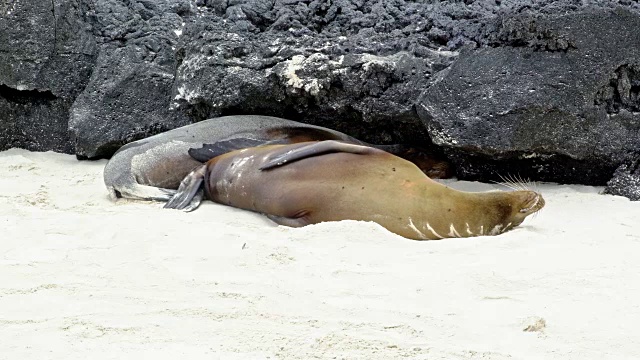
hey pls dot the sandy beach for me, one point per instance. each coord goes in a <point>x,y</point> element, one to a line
<point>84,277</point>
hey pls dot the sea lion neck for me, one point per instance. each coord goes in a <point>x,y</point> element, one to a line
<point>460,213</point>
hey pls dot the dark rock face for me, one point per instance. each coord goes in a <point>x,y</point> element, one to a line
<point>547,89</point>
<point>46,56</point>
<point>626,179</point>
<point>352,66</point>
<point>129,92</point>
<point>561,104</point>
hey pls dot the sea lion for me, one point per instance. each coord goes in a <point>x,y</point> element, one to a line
<point>308,183</point>
<point>152,168</point>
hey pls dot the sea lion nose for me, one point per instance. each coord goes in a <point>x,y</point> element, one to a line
<point>533,202</point>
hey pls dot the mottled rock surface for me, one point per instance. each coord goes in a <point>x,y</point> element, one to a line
<point>626,179</point>
<point>47,52</point>
<point>545,89</point>
<point>560,104</point>
<point>128,95</point>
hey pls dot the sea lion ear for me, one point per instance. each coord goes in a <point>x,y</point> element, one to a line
<point>209,151</point>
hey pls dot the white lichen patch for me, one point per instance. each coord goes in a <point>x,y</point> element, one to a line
<point>440,137</point>
<point>193,63</point>
<point>290,72</point>
<point>369,60</point>
<point>529,156</point>
<point>313,87</point>
<point>314,64</point>
<point>186,94</point>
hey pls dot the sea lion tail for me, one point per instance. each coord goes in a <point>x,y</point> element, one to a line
<point>190,193</point>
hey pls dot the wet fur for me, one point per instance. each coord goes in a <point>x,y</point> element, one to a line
<point>370,186</point>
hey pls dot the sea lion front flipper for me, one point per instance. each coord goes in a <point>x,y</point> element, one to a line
<point>316,149</point>
<point>189,194</point>
<point>209,151</point>
<point>286,221</point>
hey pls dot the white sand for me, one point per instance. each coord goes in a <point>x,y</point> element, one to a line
<point>82,277</point>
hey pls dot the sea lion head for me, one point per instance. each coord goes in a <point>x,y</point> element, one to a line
<point>515,206</point>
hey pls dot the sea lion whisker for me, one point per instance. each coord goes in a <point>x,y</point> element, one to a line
<point>515,182</point>
<point>508,182</point>
<point>534,186</point>
<point>535,215</point>
<point>497,182</point>
<point>505,184</point>
<point>525,182</point>
<point>511,186</point>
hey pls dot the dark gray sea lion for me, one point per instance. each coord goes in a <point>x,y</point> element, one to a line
<point>308,183</point>
<point>152,168</point>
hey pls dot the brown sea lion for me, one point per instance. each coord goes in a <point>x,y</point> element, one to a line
<point>308,183</point>
<point>152,168</point>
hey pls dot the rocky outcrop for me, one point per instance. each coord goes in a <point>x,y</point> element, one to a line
<point>348,65</point>
<point>626,179</point>
<point>544,89</point>
<point>47,52</point>
<point>130,89</point>
<point>560,104</point>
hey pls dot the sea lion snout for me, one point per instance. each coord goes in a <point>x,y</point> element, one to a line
<point>533,202</point>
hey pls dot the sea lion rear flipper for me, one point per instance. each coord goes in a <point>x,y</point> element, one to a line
<point>195,201</point>
<point>315,149</point>
<point>189,194</point>
<point>209,151</point>
<point>137,191</point>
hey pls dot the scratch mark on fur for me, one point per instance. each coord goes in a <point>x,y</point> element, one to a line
<point>434,232</point>
<point>414,228</point>
<point>452,231</point>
